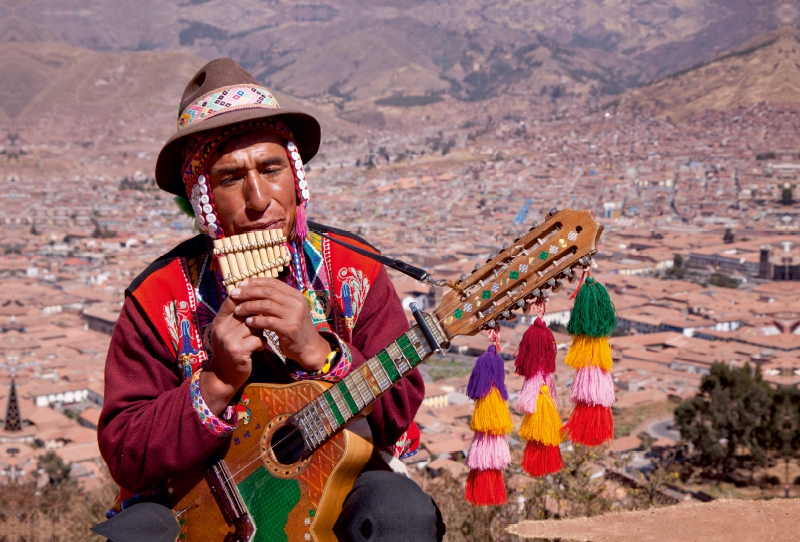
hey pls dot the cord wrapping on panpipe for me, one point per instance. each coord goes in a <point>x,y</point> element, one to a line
<point>260,253</point>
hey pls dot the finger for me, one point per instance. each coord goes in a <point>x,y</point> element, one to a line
<point>227,308</point>
<point>265,307</point>
<point>262,288</point>
<point>271,323</point>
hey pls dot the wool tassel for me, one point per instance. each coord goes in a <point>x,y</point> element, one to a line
<point>591,425</point>
<point>537,350</point>
<point>594,386</point>
<point>300,222</point>
<point>486,488</point>
<point>544,425</point>
<point>588,351</point>
<point>592,320</point>
<point>488,454</point>
<point>541,460</point>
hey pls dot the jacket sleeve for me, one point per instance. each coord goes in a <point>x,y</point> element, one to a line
<point>381,321</point>
<point>149,428</point>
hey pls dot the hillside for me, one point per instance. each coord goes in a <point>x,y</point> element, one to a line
<point>350,54</point>
<point>765,69</point>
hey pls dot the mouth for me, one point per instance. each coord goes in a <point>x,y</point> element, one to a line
<point>274,225</point>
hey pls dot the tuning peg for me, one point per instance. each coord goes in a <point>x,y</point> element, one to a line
<point>505,246</point>
<point>520,303</point>
<point>586,261</point>
<point>557,286</point>
<point>536,292</point>
<point>506,314</point>
<point>534,225</point>
<point>462,278</point>
<point>491,324</point>
<point>477,266</point>
<point>550,283</point>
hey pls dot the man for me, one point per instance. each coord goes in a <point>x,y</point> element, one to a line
<point>183,350</point>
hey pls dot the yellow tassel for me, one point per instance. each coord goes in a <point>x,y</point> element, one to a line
<point>491,415</point>
<point>586,351</point>
<point>544,425</point>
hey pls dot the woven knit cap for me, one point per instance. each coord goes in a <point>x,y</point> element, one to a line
<point>214,78</point>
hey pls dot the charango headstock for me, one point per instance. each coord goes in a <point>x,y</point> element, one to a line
<point>524,270</point>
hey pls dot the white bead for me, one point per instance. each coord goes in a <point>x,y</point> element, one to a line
<point>295,155</point>
<point>304,193</point>
<point>303,185</point>
<point>201,179</point>
<point>211,219</point>
<point>203,189</point>
<point>204,199</point>
<point>298,165</point>
<point>201,220</point>
<point>198,210</point>
<point>207,208</point>
<point>301,174</point>
<point>291,146</point>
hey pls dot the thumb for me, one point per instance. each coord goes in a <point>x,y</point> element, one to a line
<point>227,307</point>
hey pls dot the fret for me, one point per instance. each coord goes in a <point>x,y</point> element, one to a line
<point>334,409</point>
<point>352,387</point>
<point>369,378</point>
<point>388,364</point>
<point>363,387</point>
<point>404,342</point>
<point>342,388</point>
<point>379,373</point>
<point>327,418</point>
<point>319,419</point>
<point>344,408</point>
<point>308,436</point>
<point>311,424</point>
<point>400,360</point>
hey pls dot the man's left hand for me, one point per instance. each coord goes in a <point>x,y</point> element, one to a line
<point>268,303</point>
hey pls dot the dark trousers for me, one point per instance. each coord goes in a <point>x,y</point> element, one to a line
<point>385,506</point>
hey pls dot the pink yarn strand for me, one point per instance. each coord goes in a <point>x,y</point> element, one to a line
<point>300,224</point>
<point>526,400</point>
<point>488,452</point>
<point>594,386</point>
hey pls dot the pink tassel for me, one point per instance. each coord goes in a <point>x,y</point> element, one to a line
<point>488,452</point>
<point>526,401</point>
<point>300,224</point>
<point>593,386</point>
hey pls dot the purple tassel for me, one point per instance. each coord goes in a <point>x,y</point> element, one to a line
<point>300,224</point>
<point>593,386</point>
<point>488,372</point>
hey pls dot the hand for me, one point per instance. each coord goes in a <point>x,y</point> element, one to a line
<point>233,344</point>
<point>268,303</point>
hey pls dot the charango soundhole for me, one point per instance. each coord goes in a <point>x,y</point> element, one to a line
<point>282,448</point>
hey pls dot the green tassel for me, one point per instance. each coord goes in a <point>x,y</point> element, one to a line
<point>184,205</point>
<point>593,313</point>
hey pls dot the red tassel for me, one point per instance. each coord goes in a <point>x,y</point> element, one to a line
<point>541,460</point>
<point>591,425</point>
<point>537,350</point>
<point>486,488</point>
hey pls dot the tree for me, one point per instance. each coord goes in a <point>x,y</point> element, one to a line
<point>54,467</point>
<point>728,412</point>
<point>781,433</point>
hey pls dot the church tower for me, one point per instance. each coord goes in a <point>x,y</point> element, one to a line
<point>13,418</point>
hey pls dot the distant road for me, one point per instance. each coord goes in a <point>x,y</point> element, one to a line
<point>660,429</point>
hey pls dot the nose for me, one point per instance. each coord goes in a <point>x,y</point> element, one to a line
<point>256,192</point>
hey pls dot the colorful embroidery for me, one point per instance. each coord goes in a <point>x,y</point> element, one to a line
<point>217,426</point>
<point>226,99</point>
<point>358,285</point>
<point>339,371</point>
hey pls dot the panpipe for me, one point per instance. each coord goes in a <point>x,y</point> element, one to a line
<point>260,253</point>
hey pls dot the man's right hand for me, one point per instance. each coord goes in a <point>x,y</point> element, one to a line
<point>233,344</point>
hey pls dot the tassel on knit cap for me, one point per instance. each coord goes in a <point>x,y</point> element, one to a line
<point>592,321</point>
<point>541,427</point>
<point>488,453</point>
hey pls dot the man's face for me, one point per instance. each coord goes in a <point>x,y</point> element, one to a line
<point>252,184</point>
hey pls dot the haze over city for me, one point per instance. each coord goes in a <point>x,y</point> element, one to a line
<point>449,127</point>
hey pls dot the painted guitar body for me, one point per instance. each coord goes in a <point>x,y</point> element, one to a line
<point>248,496</point>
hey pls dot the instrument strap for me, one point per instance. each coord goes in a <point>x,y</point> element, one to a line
<point>414,272</point>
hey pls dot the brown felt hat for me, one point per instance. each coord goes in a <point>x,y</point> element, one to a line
<point>209,102</point>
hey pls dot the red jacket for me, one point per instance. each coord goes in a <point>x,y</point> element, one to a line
<point>149,430</point>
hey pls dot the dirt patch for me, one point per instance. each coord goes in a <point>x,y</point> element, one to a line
<point>718,521</point>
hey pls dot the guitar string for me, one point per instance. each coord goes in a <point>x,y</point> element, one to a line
<point>296,434</point>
